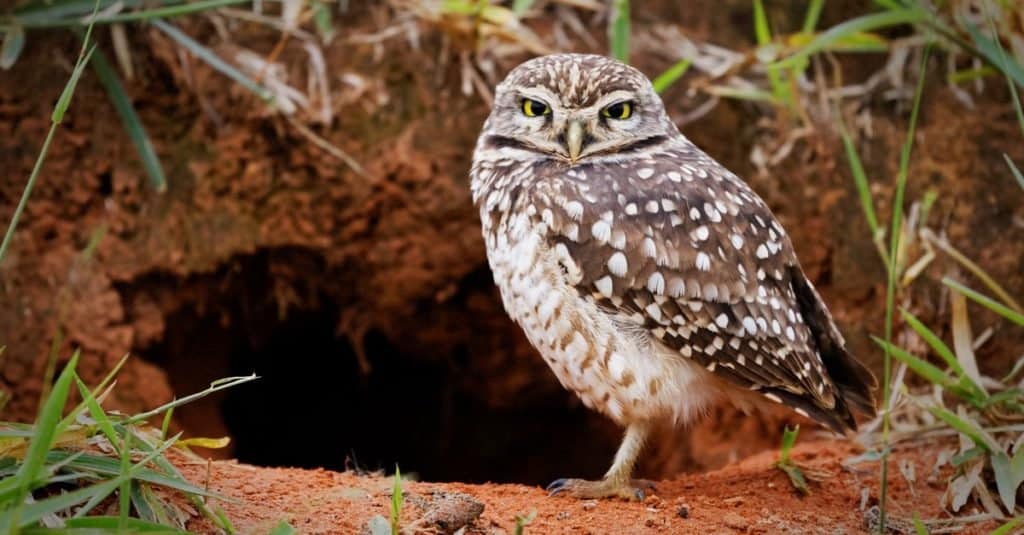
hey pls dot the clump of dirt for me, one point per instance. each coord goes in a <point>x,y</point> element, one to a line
<point>751,496</point>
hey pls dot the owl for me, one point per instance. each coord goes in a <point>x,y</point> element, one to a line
<point>652,280</point>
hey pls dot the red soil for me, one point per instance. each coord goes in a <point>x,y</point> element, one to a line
<point>751,496</point>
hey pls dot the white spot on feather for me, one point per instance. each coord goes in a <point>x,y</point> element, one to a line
<point>617,264</point>
<point>654,311</point>
<point>601,230</point>
<point>574,209</point>
<point>703,261</point>
<point>656,283</point>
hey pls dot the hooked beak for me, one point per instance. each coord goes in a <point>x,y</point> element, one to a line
<point>574,140</point>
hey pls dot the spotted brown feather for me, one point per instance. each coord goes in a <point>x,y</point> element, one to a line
<point>651,279</point>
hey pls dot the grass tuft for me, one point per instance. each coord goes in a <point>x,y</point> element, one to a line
<point>104,457</point>
<point>56,117</point>
<point>524,520</point>
<point>892,274</point>
<point>396,503</point>
<point>665,80</point>
<point>786,464</point>
<point>130,120</point>
<point>619,30</point>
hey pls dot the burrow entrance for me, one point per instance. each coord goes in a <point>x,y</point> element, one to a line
<point>313,406</point>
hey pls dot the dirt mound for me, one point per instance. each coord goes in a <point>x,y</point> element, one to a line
<point>749,497</point>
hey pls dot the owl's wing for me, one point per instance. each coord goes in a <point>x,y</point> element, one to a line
<point>682,248</point>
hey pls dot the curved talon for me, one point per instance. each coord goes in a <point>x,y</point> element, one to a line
<point>557,486</point>
<point>605,488</point>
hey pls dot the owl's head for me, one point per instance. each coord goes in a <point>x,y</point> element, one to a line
<point>575,107</point>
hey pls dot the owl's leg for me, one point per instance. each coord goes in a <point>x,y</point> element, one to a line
<point>617,482</point>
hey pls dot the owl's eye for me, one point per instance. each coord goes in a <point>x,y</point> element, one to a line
<point>619,110</point>
<point>535,108</point>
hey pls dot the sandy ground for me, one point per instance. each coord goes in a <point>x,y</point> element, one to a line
<point>751,496</point>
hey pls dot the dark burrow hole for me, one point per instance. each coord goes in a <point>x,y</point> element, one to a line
<point>313,407</point>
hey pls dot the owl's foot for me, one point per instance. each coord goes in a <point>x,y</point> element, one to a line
<point>630,489</point>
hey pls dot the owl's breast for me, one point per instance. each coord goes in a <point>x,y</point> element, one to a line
<point>612,369</point>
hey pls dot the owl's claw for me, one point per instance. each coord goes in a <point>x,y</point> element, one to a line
<point>632,490</point>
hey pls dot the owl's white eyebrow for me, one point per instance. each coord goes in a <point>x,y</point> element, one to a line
<point>613,97</point>
<point>539,93</point>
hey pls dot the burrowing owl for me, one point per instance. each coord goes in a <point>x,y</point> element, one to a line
<point>651,279</point>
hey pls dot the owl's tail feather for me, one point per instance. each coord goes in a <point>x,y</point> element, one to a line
<point>838,418</point>
<point>854,382</point>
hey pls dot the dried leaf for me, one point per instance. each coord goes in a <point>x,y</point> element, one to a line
<point>202,442</point>
<point>961,487</point>
<point>962,338</point>
<point>14,43</point>
<point>1009,475</point>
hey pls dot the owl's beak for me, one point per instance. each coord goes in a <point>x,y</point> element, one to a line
<point>574,139</point>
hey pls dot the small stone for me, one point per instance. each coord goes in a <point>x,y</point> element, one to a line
<point>683,511</point>
<point>589,505</point>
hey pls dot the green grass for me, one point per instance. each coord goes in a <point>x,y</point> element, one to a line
<point>665,80</point>
<point>786,464</point>
<point>396,503</point>
<point>283,528</point>
<point>44,15</point>
<point>974,412</point>
<point>131,121</point>
<point>780,80</point>
<point>892,275</point>
<point>619,30</point>
<point>59,110</point>
<point>522,521</point>
<point>860,179</point>
<point>69,464</point>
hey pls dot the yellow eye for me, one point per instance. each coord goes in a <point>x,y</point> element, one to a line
<point>619,110</point>
<point>535,108</point>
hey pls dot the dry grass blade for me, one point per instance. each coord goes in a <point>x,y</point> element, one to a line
<point>327,146</point>
<point>962,339</point>
<point>214,60</point>
<point>13,44</point>
<point>974,268</point>
<point>1013,169</point>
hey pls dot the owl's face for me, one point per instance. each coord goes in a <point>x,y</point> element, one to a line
<point>576,107</point>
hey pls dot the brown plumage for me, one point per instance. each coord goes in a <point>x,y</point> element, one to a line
<point>651,279</point>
